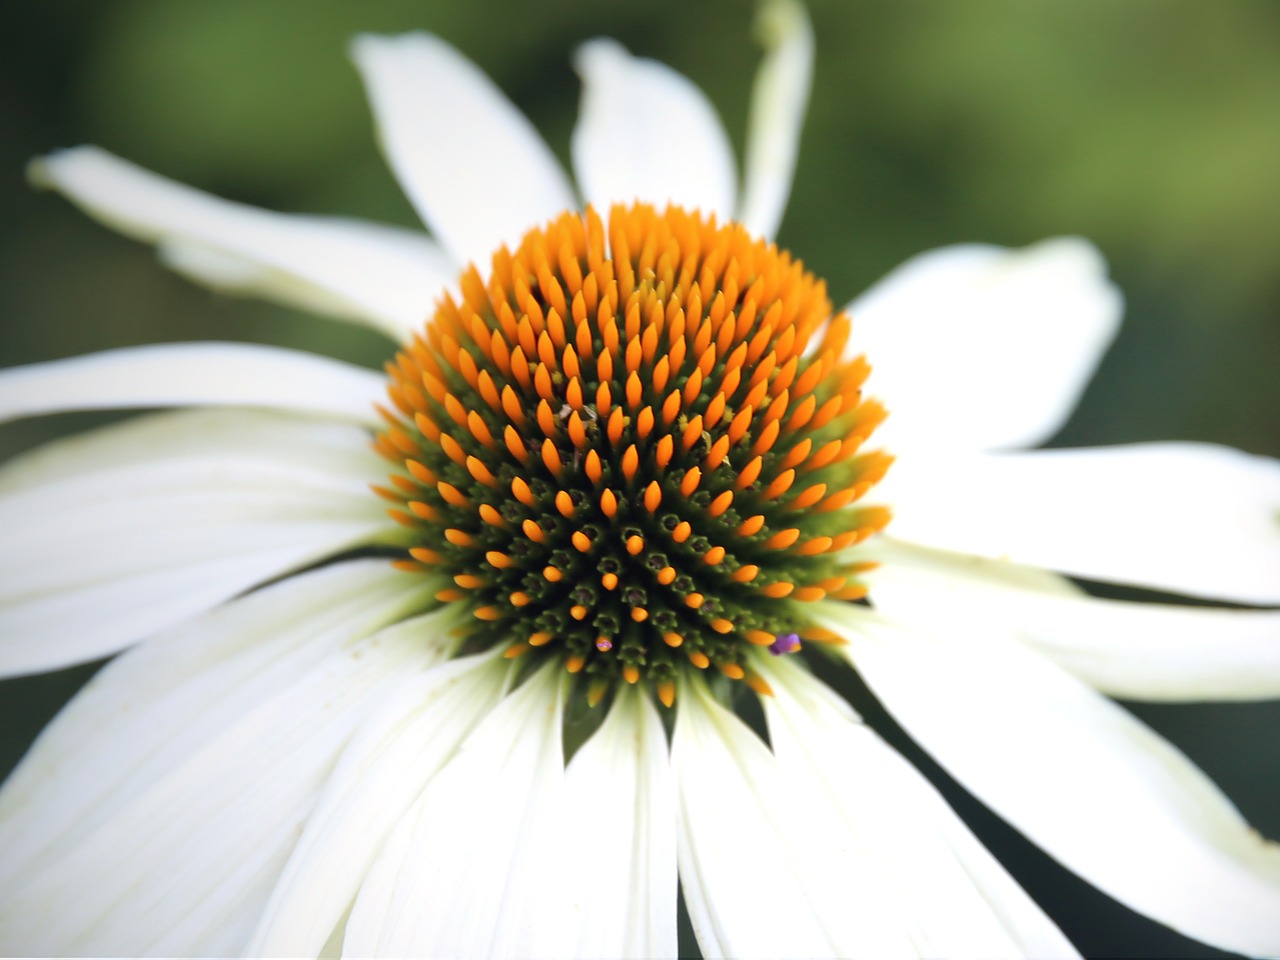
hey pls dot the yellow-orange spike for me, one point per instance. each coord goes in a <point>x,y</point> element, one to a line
<point>751,526</point>
<point>715,410</point>
<point>490,515</point>
<point>720,504</point>
<point>458,538</point>
<point>609,581</point>
<point>755,396</point>
<point>469,581</point>
<point>841,498</point>
<point>739,424</point>
<point>581,541</point>
<point>577,431</point>
<point>630,462</point>
<point>802,413</point>
<point>573,392</point>
<point>489,390</point>
<point>779,485</point>
<point>796,455</point>
<point>593,466</point>
<point>450,595</point>
<point>691,480</point>
<point>644,423</point>
<point>761,638</point>
<point>552,574</point>
<point>782,539</point>
<point>578,612</point>
<point>551,457</point>
<point>511,406</point>
<point>682,531</point>
<point>423,511</point>
<point>699,659</point>
<point>635,392</point>
<point>671,407</point>
<point>745,573</point>
<point>692,432</point>
<point>482,473</point>
<point>663,451</point>
<point>604,399</point>
<point>421,473</point>
<point>758,684</point>
<point>498,560</point>
<point>632,355</point>
<point>533,531</point>
<point>631,673</point>
<point>749,473</point>
<point>721,625</point>
<point>523,493</point>
<point>608,503</point>
<point>713,556</point>
<point>825,412</point>
<point>453,450</point>
<point>635,544</point>
<point>452,494</point>
<point>540,639</point>
<point>661,374</point>
<point>453,406</point>
<point>564,503</point>
<point>639,614</point>
<point>604,365</point>
<point>815,546</point>
<point>425,555</point>
<point>480,430</point>
<point>575,663</point>
<point>666,691</point>
<point>617,422</point>
<point>542,382</point>
<point>778,590</point>
<point>732,670</point>
<point>694,600</point>
<point>693,387</point>
<point>672,639</point>
<point>652,496</point>
<point>666,575</point>
<point>808,594</point>
<point>546,419</point>
<point>488,613</point>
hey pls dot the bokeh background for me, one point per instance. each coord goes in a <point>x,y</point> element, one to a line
<point>1150,126</point>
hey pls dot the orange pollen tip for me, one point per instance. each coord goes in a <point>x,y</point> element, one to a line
<point>488,613</point>
<point>732,670</point>
<point>694,600</point>
<point>581,541</point>
<point>672,639</point>
<point>721,625</point>
<point>699,659</point>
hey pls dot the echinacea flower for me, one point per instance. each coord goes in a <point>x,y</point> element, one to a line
<point>448,661</point>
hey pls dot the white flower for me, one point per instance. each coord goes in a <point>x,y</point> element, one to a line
<point>293,761</point>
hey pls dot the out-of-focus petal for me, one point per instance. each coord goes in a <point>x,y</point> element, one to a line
<point>779,100</point>
<point>1096,789</point>
<point>646,132</point>
<point>1138,651</point>
<point>154,815</point>
<point>1188,518</point>
<point>378,275</point>
<point>194,374</point>
<point>979,348</point>
<point>474,167</point>
<point>114,534</point>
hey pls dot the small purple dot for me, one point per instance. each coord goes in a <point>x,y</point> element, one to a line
<point>604,644</point>
<point>786,643</point>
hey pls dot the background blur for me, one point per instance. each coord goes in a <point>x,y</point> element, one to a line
<point>1150,126</point>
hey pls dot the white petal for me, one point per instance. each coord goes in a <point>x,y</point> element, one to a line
<point>475,169</point>
<point>646,132</point>
<point>114,534</point>
<point>1097,790</point>
<point>779,100</point>
<point>380,775</point>
<point>466,872</point>
<point>769,869</point>
<point>383,276</point>
<point>977,348</point>
<point>1140,651</point>
<point>619,858</point>
<point>194,374</point>
<point>154,814</point>
<point>1182,517</point>
<point>949,893</point>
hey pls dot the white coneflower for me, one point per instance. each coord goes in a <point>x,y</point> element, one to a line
<point>622,470</point>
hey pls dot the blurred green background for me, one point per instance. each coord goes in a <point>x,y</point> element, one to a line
<point>1150,126</point>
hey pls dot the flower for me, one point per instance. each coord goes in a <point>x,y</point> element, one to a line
<point>308,749</point>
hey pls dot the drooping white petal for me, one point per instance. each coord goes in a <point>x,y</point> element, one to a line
<point>1096,789</point>
<point>194,374</point>
<point>378,778</point>
<point>473,166</point>
<point>976,347</point>
<point>117,533</point>
<point>1189,518</point>
<point>383,276</point>
<point>955,898</point>
<point>779,100</point>
<point>646,132</point>
<point>155,813</point>
<point>468,870</point>
<point>768,869</point>
<point>1139,651</point>
<point>619,857</point>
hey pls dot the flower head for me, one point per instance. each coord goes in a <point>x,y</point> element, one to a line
<point>448,661</point>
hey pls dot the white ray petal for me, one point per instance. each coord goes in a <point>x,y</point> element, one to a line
<point>955,898</point>
<point>619,858</point>
<point>779,100</point>
<point>378,275</point>
<point>474,167</point>
<point>378,778</point>
<point>117,533</point>
<point>155,813</point>
<point>468,870</point>
<point>1139,651</point>
<point>976,347</point>
<point>1096,789</point>
<point>768,869</point>
<point>194,374</point>
<point>646,132</point>
<point>1188,518</point>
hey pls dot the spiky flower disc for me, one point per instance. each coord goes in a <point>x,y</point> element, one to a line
<point>625,451</point>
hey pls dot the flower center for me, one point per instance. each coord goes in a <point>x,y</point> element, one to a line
<point>625,451</point>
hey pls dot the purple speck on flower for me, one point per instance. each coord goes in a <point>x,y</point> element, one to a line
<point>786,643</point>
<point>604,644</point>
